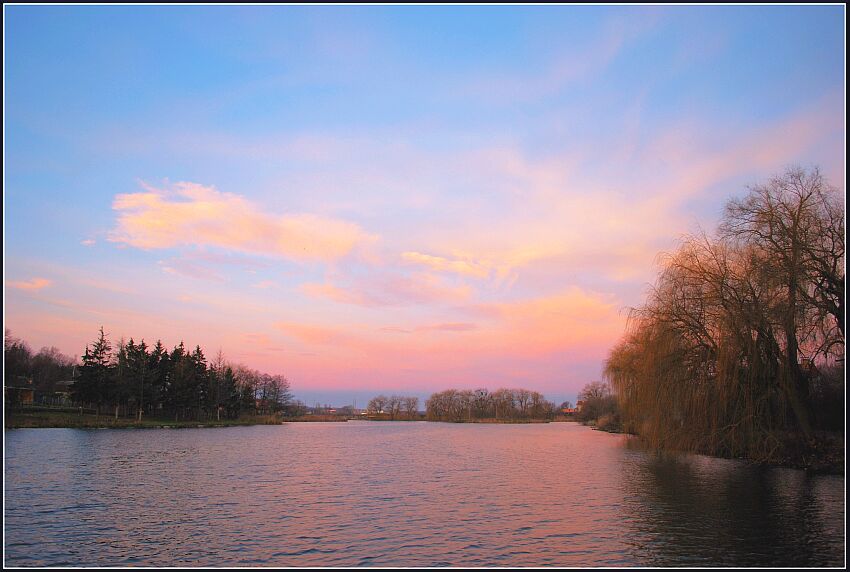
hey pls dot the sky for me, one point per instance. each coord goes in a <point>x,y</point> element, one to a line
<point>394,199</point>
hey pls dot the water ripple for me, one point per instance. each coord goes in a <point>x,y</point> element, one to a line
<point>401,494</point>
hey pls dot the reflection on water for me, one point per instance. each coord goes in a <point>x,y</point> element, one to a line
<point>699,511</point>
<point>406,494</point>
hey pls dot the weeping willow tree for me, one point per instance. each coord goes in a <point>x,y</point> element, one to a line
<point>722,356</point>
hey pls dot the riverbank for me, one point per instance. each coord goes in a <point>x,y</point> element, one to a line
<point>52,419</point>
<point>504,421</point>
<point>824,455</point>
<point>319,419</point>
<point>72,420</point>
<point>386,418</point>
<point>485,420</point>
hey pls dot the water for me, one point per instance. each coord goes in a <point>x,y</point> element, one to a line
<point>405,494</point>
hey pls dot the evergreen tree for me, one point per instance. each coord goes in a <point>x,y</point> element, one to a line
<point>160,368</point>
<point>181,371</point>
<point>92,385</point>
<point>230,393</point>
<point>119,389</point>
<point>199,381</point>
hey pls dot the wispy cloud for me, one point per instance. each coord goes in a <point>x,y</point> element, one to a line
<point>315,335</point>
<point>183,267</point>
<point>569,67</point>
<point>33,284</point>
<point>441,264</point>
<point>449,327</point>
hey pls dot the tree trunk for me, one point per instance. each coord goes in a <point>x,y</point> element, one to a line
<point>797,383</point>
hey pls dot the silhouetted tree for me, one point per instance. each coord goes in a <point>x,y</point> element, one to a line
<point>743,330</point>
<point>93,384</point>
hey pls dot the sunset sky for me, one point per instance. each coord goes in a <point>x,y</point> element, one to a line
<point>394,199</point>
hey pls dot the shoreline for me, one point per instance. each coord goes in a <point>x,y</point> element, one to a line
<point>53,420</point>
<point>72,420</point>
<point>830,462</point>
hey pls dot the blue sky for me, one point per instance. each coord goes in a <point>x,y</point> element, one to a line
<point>479,192</point>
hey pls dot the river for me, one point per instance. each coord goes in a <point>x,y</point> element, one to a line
<point>402,494</point>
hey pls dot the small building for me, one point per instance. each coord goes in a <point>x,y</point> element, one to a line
<point>18,395</point>
<point>61,394</point>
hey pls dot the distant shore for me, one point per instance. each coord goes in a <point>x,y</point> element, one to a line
<point>68,420</point>
<point>72,420</point>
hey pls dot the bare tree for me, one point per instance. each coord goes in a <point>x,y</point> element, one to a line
<point>466,405</point>
<point>721,356</point>
<point>411,407</point>
<point>377,404</point>
<point>793,223</point>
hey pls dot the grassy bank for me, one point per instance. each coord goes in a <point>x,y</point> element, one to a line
<point>327,418</point>
<point>36,419</point>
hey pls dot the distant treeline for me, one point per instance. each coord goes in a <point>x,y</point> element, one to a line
<point>134,378</point>
<point>394,407</point>
<point>502,404</point>
<point>45,369</point>
<point>739,347</point>
<point>599,407</point>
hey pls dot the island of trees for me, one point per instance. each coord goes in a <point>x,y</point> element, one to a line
<point>502,405</point>
<point>393,408</point>
<point>739,347</point>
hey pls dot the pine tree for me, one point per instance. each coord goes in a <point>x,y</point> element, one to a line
<point>230,391</point>
<point>160,368</point>
<point>93,384</point>
<point>179,381</point>
<point>200,381</point>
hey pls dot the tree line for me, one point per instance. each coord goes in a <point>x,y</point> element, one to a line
<point>45,369</point>
<point>502,404</point>
<point>599,407</point>
<point>133,378</point>
<point>739,347</point>
<point>395,406</point>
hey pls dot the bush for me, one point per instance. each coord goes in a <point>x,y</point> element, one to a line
<point>596,407</point>
<point>609,422</point>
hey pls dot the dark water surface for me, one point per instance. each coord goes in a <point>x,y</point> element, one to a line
<point>406,494</point>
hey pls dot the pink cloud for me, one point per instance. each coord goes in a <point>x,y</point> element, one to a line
<point>573,322</point>
<point>314,335</point>
<point>33,284</point>
<point>441,264</point>
<point>194,215</point>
